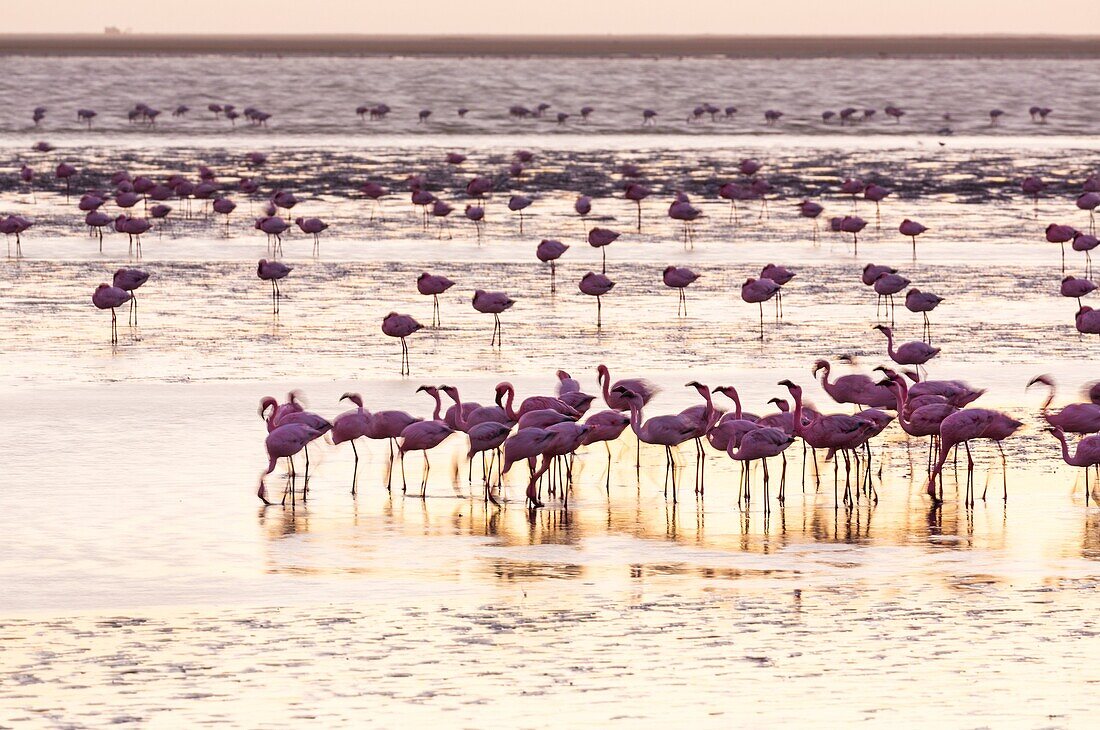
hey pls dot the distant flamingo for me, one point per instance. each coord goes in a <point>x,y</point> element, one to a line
<point>605,426</point>
<point>1056,233</point>
<point>475,214</point>
<point>910,353</point>
<point>637,192</point>
<point>963,427</point>
<point>1076,288</point>
<point>225,207</point>
<point>887,285</point>
<point>856,388</point>
<point>273,271</point>
<point>911,229</point>
<point>780,275</point>
<point>526,444</point>
<point>600,238</point>
<point>761,443</point>
<point>519,203</point>
<point>679,278</point>
<point>1089,201</point>
<point>274,227</point>
<point>596,285</point>
<point>314,226</point>
<point>401,326</point>
<point>433,285</point>
<point>758,291</point>
<point>110,297</point>
<point>681,209</point>
<point>1086,242</point>
<point>811,210</point>
<point>550,251</point>
<point>130,280</point>
<point>493,302</point>
<point>853,224</point>
<point>923,302</point>
<point>583,206</point>
<point>1087,321</point>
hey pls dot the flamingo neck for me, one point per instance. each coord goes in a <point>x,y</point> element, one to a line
<point>509,400</point>
<point>460,418</point>
<point>737,413</point>
<point>1048,401</point>
<point>900,397</point>
<point>1071,460</point>
<point>797,417</point>
<point>438,406</point>
<point>635,419</point>
<point>605,384</point>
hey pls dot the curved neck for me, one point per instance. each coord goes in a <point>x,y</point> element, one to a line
<point>1071,460</point>
<point>635,419</point>
<point>889,343</point>
<point>737,413</point>
<point>460,418</point>
<point>899,396</point>
<point>438,405</point>
<point>605,384</point>
<point>1049,400</point>
<point>825,377</point>
<point>796,426</point>
<point>709,412</point>
<point>509,400</point>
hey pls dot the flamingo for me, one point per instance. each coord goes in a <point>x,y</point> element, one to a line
<point>1060,234</point>
<point>596,285</point>
<point>667,431</point>
<point>637,192</point>
<point>963,427</point>
<point>811,210</point>
<point>284,441</point>
<point>856,388</point>
<point>887,285</point>
<point>605,427</point>
<point>922,421</point>
<point>681,209</point>
<point>1082,418</point>
<point>679,278</point>
<point>853,224</point>
<point>600,238</point>
<point>129,280</point>
<point>781,275</point>
<point>1072,287</point>
<point>401,326</point>
<point>423,436</point>
<point>475,214</point>
<point>433,285</point>
<point>314,226</point>
<point>273,271</point>
<point>110,297</point>
<point>526,444</point>
<point>533,403</point>
<point>1086,242</point>
<point>1088,321</point>
<point>549,251</point>
<point>493,302</point>
<point>912,229</point>
<point>351,425</point>
<point>911,353</point>
<point>1086,455</point>
<point>583,206</point>
<point>761,443</point>
<point>758,291</point>
<point>923,302</point>
<point>519,203</point>
<point>484,436</point>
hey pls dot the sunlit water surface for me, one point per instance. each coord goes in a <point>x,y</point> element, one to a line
<point>143,583</point>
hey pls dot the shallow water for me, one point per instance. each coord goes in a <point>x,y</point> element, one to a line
<point>145,584</point>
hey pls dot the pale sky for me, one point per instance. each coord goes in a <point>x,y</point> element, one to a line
<point>716,17</point>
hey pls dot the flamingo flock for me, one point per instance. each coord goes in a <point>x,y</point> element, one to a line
<point>547,431</point>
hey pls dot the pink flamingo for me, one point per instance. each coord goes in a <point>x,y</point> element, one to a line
<point>96,221</point>
<point>918,422</point>
<point>550,250</point>
<point>596,285</point>
<point>285,441</point>
<point>526,444</point>
<point>225,206</point>
<point>130,280</point>
<point>349,426</point>
<point>1077,288</point>
<point>758,291</point>
<point>876,194</point>
<point>110,297</point>
<point>314,227</point>
<point>519,203</point>
<point>273,271</point>
<point>853,224</point>
<point>639,386</point>
<point>493,302</point>
<point>423,436</point>
<point>375,192</point>
<point>132,227</point>
<point>1074,418</point>
<point>605,426</point>
<point>440,211</point>
<point>811,210</point>
<point>963,427</point>
<point>1056,233</point>
<point>835,431</point>
<point>389,425</point>
<point>667,431</point>
<point>762,443</point>
<point>15,225</point>
<point>781,275</point>
<point>1087,321</point>
<point>583,206</point>
<point>567,438</point>
<point>401,326</point>
<point>679,278</point>
<point>1031,187</point>
<point>487,435</point>
<point>1086,455</point>
<point>911,353</point>
<point>1089,201</point>
<point>681,209</point>
<point>567,384</point>
<point>1086,242</point>
<point>475,214</point>
<point>533,403</point>
<point>912,229</point>
<point>600,238</point>
<point>887,285</point>
<point>703,418</point>
<point>856,388</point>
<point>433,285</point>
<point>852,186</point>
<point>923,302</point>
<point>637,192</point>
<point>274,227</point>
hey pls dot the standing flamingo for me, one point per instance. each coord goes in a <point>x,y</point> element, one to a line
<point>493,302</point>
<point>811,210</point>
<point>526,444</point>
<point>1075,417</point>
<point>911,353</point>
<point>284,441</point>
<point>762,443</point>
<point>781,275</point>
<point>1086,455</point>
<point>758,291</point>
<point>423,436</point>
<point>667,431</point>
<point>637,192</point>
<point>518,203</point>
<point>583,206</point>
<point>401,326</point>
<point>679,278</point>
<point>550,250</point>
<point>475,214</point>
<point>349,426</point>
<point>130,280</point>
<point>923,302</point>
<point>596,285</point>
<point>600,238</point>
<point>1087,321</point>
<point>911,229</point>
<point>1076,288</point>
<point>273,271</point>
<point>1060,234</point>
<point>314,227</point>
<point>963,427</point>
<point>887,285</point>
<point>433,285</point>
<point>110,297</point>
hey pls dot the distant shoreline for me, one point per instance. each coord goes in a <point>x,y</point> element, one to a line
<point>577,46</point>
